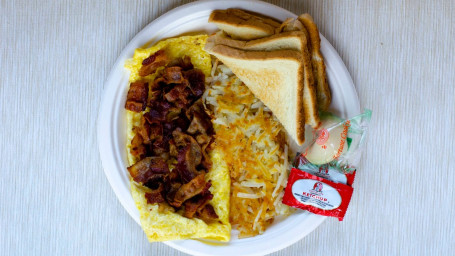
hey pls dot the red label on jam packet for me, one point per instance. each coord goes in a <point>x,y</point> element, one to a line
<point>317,195</point>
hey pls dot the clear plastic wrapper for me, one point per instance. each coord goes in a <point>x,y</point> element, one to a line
<point>329,163</point>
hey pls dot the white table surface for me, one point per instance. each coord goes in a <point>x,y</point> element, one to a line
<point>56,55</point>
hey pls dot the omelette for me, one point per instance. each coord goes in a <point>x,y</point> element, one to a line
<point>159,220</point>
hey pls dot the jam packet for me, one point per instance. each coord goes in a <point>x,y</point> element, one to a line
<point>324,171</point>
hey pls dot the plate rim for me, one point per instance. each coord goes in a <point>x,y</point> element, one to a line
<point>107,155</point>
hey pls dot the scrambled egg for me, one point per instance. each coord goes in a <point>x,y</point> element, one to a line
<point>160,224</point>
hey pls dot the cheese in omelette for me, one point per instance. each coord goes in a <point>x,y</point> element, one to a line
<point>160,223</point>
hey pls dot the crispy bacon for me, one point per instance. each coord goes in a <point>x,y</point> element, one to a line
<point>183,140</point>
<point>189,155</point>
<point>173,75</point>
<point>200,121</point>
<point>144,130</point>
<point>200,124</point>
<point>159,110</point>
<point>197,81</point>
<point>160,146</point>
<point>136,100</point>
<point>196,203</point>
<point>189,190</point>
<point>180,95</point>
<point>176,128</point>
<point>156,195</point>
<point>137,148</point>
<point>181,123</point>
<point>206,163</point>
<point>148,169</point>
<point>152,63</point>
<point>186,166</point>
<point>173,148</point>
<point>203,139</point>
<point>207,213</point>
<point>173,114</point>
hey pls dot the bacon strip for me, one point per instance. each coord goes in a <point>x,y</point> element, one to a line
<point>207,213</point>
<point>156,195</point>
<point>136,100</point>
<point>196,203</point>
<point>197,81</point>
<point>173,75</point>
<point>152,63</point>
<point>148,169</point>
<point>189,190</point>
<point>175,128</point>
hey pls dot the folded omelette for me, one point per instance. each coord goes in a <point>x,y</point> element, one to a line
<point>160,221</point>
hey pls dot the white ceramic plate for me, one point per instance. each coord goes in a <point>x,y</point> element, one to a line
<point>192,19</point>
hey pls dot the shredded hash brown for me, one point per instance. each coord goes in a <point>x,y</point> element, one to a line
<point>254,146</point>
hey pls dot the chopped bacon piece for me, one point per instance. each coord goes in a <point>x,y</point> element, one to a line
<point>136,100</point>
<point>189,155</point>
<point>156,195</point>
<point>186,166</point>
<point>196,203</point>
<point>172,183</point>
<point>183,140</point>
<point>196,107</point>
<point>154,115</point>
<point>147,169</point>
<point>179,95</point>
<point>207,213</point>
<point>189,190</point>
<point>173,114</point>
<point>200,124</point>
<point>184,63</point>
<point>197,81</point>
<point>206,163</point>
<point>158,84</point>
<point>180,123</point>
<point>176,127</point>
<point>159,110</point>
<point>203,139</point>
<point>144,130</point>
<point>137,148</point>
<point>152,63</point>
<point>173,75</point>
<point>173,149</point>
<point>160,145</point>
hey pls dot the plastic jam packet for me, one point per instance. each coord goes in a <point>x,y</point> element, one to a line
<point>317,195</point>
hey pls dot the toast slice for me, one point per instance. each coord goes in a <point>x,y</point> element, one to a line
<point>324,95</point>
<point>243,25</point>
<point>290,24</point>
<point>294,40</point>
<point>275,77</point>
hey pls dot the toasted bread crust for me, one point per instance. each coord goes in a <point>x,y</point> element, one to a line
<point>270,43</point>
<point>324,96</point>
<point>290,24</point>
<point>309,93</point>
<point>243,25</point>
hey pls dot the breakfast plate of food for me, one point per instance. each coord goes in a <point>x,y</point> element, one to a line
<point>202,115</point>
